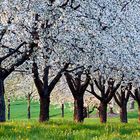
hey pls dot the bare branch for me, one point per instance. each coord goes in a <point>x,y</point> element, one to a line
<point>117,100</point>
<point>57,77</point>
<point>98,86</point>
<point>2,34</point>
<point>70,82</point>
<point>12,52</point>
<point>94,93</point>
<point>20,61</point>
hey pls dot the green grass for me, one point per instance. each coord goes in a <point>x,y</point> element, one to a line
<point>19,110</point>
<point>19,128</point>
<point>61,129</point>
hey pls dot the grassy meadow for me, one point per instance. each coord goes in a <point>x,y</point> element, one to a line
<point>19,128</point>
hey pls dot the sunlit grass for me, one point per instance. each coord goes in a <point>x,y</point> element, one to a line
<point>19,110</point>
<point>19,128</point>
<point>62,129</point>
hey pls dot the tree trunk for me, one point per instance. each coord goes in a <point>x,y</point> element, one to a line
<point>78,109</point>
<point>139,113</point>
<point>2,102</point>
<point>62,109</point>
<point>85,112</point>
<point>88,112</point>
<point>29,107</point>
<point>44,109</point>
<point>111,110</point>
<point>123,114</point>
<point>103,112</point>
<point>9,108</point>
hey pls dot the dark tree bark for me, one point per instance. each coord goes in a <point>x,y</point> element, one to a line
<point>29,98</point>
<point>9,104</point>
<point>78,110</point>
<point>2,101</point>
<point>123,114</point>
<point>62,110</point>
<point>136,97</point>
<point>45,89</point>
<point>85,113</point>
<point>29,106</point>
<point>103,112</point>
<point>44,109</point>
<point>139,113</point>
<point>122,100</point>
<point>106,95</point>
<point>78,89</point>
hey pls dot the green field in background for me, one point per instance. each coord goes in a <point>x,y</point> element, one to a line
<point>19,111</point>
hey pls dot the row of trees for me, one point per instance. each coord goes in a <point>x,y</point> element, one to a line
<point>61,98</point>
<point>121,97</point>
<point>90,42</point>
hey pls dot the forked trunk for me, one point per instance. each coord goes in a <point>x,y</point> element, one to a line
<point>78,109</point>
<point>2,102</point>
<point>44,109</point>
<point>103,112</point>
<point>123,114</point>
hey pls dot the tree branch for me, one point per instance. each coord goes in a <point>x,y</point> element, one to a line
<point>98,86</point>
<point>128,95</point>
<point>37,80</point>
<point>45,80</point>
<point>20,61</point>
<point>117,86</point>
<point>57,78</point>
<point>85,84</point>
<point>70,83</point>
<point>94,93</point>
<point>12,52</point>
<point>2,34</point>
<point>117,100</point>
<point>133,96</point>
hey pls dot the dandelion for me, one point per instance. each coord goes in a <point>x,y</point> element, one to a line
<point>28,127</point>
